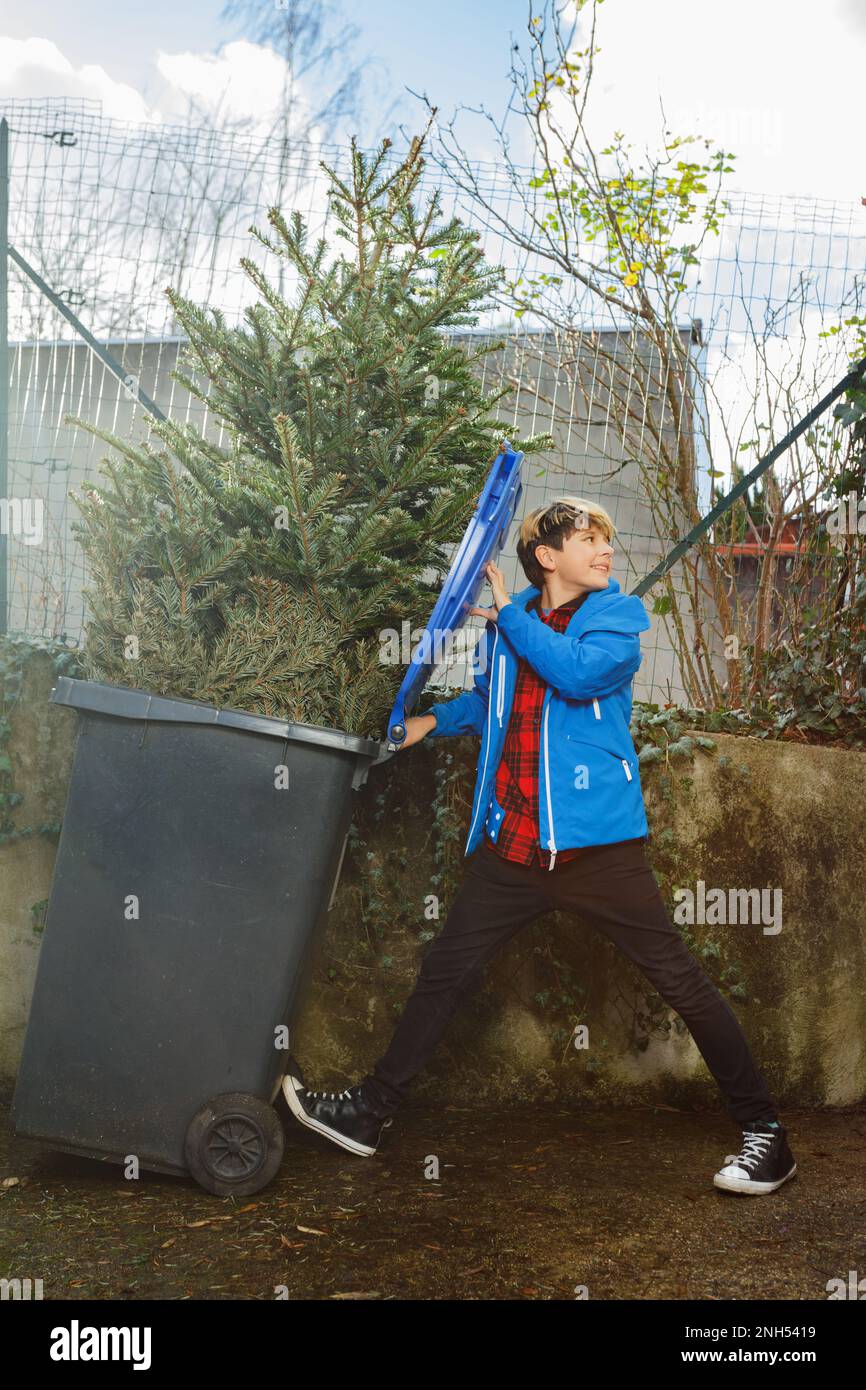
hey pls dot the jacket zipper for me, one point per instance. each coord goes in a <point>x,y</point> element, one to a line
<point>551,844</point>
<point>487,749</point>
<point>596,708</point>
<point>627,769</point>
<point>500,694</point>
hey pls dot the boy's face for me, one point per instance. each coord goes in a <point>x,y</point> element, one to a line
<point>585,558</point>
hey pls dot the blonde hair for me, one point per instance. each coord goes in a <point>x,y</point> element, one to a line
<point>552,524</point>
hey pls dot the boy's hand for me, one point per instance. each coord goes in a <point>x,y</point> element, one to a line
<point>417,727</point>
<point>500,595</point>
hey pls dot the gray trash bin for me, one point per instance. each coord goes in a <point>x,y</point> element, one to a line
<point>188,891</point>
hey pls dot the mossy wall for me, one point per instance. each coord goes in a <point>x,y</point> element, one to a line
<point>750,815</point>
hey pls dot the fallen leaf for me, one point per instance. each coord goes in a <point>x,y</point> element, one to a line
<point>311,1231</point>
<point>355,1295</point>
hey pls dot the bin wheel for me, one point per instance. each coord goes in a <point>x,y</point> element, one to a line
<point>234,1144</point>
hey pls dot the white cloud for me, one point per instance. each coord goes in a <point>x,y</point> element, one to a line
<point>241,81</point>
<point>37,66</point>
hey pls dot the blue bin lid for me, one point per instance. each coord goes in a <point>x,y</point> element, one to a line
<point>484,537</point>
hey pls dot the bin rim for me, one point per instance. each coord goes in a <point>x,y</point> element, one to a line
<point>130,702</point>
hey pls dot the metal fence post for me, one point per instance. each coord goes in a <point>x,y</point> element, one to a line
<point>4,364</point>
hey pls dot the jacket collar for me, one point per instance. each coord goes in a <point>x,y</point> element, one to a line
<point>533,605</point>
<point>524,598</point>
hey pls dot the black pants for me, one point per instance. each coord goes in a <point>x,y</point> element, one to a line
<point>611,887</point>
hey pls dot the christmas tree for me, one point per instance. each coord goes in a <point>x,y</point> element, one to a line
<point>261,575</point>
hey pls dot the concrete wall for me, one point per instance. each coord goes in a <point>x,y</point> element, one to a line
<point>776,816</point>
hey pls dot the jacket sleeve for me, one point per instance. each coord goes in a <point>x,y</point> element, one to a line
<point>466,713</point>
<point>580,668</point>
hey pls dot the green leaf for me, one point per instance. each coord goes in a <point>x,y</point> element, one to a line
<point>682,748</point>
<point>649,754</point>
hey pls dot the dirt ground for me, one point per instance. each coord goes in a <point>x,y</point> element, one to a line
<point>529,1204</point>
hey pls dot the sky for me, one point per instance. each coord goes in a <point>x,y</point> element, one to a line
<point>778,82</point>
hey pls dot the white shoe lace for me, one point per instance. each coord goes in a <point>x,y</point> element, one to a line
<point>334,1095</point>
<point>753,1150</point>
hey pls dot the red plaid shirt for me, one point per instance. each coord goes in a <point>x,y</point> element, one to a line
<point>517,774</point>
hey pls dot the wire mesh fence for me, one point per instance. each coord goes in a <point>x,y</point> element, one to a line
<point>103,215</point>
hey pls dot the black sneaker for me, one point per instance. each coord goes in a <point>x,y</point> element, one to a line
<point>763,1163</point>
<point>345,1117</point>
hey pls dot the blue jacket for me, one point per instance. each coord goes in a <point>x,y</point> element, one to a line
<point>589,791</point>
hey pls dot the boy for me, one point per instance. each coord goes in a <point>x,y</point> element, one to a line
<point>558,822</point>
